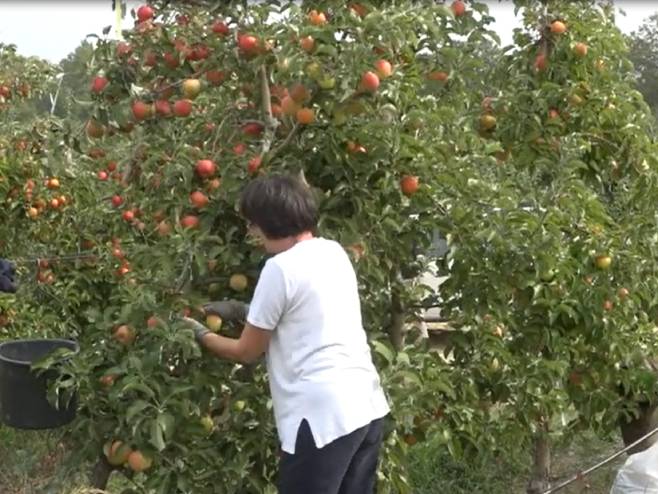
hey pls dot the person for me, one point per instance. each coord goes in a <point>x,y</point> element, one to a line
<point>305,316</point>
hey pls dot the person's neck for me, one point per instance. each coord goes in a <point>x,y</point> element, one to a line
<point>289,242</point>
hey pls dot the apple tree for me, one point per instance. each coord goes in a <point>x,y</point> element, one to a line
<point>551,282</point>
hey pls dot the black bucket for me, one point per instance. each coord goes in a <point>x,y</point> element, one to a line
<point>23,392</point>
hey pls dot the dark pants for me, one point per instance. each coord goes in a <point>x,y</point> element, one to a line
<point>347,465</point>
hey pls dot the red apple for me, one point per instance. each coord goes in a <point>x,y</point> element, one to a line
<point>458,8</point>
<point>98,84</point>
<point>183,108</point>
<point>144,13</point>
<point>254,165</point>
<point>369,82</point>
<point>384,68</point>
<point>220,27</point>
<point>252,129</point>
<point>141,110</point>
<point>163,108</point>
<point>248,44</point>
<point>205,168</point>
<point>117,201</point>
<point>215,77</point>
<point>199,199</point>
<point>189,221</point>
<point>409,185</point>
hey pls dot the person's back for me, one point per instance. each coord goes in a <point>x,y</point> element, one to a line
<point>319,353</point>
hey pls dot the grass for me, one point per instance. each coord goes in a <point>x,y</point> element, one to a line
<point>29,461</point>
<point>434,471</point>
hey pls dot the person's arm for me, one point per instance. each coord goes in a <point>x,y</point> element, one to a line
<point>265,311</point>
<point>247,349</point>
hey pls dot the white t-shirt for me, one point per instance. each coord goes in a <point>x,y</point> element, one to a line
<point>318,360</point>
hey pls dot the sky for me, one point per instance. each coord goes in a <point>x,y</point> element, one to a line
<point>53,29</point>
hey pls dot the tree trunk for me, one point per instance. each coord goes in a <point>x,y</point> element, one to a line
<point>541,468</point>
<point>100,475</point>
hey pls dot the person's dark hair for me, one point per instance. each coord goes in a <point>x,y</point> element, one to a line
<point>280,205</point>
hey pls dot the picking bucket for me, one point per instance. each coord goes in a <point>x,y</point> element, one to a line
<point>23,392</point>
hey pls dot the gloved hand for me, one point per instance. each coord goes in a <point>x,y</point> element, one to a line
<point>7,272</point>
<point>199,329</point>
<point>228,310</point>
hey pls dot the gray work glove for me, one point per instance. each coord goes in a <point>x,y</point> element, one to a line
<point>228,310</point>
<point>199,329</point>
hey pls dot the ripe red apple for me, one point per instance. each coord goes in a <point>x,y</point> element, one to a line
<point>102,175</point>
<point>248,44</point>
<point>307,43</point>
<point>189,221</point>
<point>254,164</point>
<point>183,108</point>
<point>117,201</point>
<point>369,82</point>
<point>198,199</point>
<point>240,148</point>
<point>205,168</point>
<point>409,185</point>
<point>220,27</point>
<point>141,110</point>
<point>252,129</point>
<point>163,108</point>
<point>144,13</point>
<point>384,68</point>
<point>128,216</point>
<point>458,8</point>
<point>98,84</point>
<point>215,77</point>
